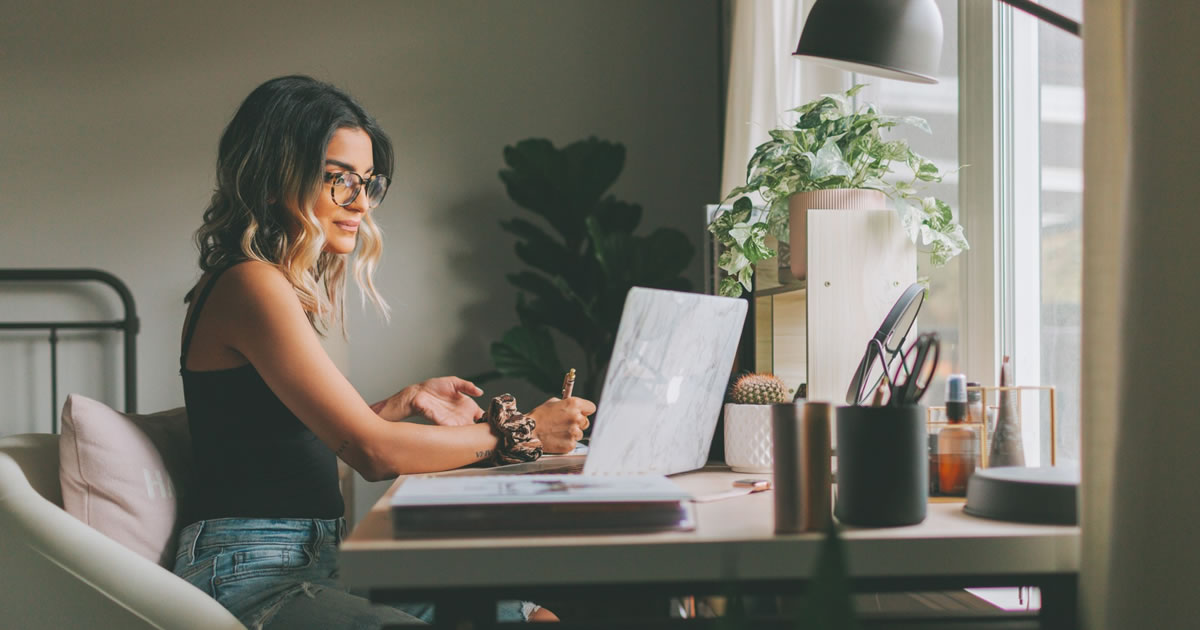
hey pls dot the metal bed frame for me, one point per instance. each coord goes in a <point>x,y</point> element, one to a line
<point>129,325</point>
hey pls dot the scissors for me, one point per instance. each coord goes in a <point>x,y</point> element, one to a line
<point>918,364</point>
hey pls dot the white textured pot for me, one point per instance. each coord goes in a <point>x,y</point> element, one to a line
<point>836,199</point>
<point>748,438</point>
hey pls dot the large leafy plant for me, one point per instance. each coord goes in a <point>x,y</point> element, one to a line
<point>832,145</point>
<point>580,271</point>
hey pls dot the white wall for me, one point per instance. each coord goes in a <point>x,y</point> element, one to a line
<point>111,114</point>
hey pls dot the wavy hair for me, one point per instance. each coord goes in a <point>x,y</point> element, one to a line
<point>270,168</point>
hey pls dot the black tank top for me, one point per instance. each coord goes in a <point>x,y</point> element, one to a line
<point>253,456</point>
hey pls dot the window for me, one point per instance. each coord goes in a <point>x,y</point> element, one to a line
<point>1040,227</point>
<point>1015,119</point>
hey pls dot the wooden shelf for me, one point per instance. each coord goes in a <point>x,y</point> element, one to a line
<point>799,285</point>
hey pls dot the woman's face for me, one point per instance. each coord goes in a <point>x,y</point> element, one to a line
<point>348,150</point>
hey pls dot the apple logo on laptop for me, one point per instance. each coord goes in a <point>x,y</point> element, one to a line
<point>673,389</point>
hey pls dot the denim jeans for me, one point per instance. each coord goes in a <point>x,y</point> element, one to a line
<point>282,573</point>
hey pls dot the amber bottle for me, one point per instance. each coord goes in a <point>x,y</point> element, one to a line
<point>958,445</point>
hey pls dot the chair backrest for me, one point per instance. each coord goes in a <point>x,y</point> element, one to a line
<point>57,572</point>
<point>36,458</point>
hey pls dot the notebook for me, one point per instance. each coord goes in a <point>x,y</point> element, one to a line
<point>538,504</point>
<point>663,389</point>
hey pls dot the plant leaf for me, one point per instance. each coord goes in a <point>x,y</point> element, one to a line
<point>828,161</point>
<point>539,250</point>
<point>528,353</point>
<point>556,306</point>
<point>730,287</point>
<point>665,254</point>
<point>562,185</point>
<point>617,216</point>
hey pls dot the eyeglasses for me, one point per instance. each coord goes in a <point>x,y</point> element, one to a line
<point>919,364</point>
<point>345,186</point>
<point>885,346</point>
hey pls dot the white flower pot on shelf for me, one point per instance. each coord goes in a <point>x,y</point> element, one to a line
<point>748,438</point>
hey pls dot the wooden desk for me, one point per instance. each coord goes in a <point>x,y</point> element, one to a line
<point>733,549</point>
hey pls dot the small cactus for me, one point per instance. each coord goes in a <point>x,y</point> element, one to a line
<point>758,389</point>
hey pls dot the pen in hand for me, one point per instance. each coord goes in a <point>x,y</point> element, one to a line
<point>568,384</point>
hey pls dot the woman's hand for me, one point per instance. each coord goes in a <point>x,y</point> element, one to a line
<point>560,423</point>
<point>445,401</point>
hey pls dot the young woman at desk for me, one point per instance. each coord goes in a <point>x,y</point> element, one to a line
<point>300,169</point>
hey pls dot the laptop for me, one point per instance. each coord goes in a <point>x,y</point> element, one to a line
<point>663,389</point>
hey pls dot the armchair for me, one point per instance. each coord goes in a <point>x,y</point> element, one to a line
<point>57,572</point>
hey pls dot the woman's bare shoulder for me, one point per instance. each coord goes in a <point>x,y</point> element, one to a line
<point>254,288</point>
<point>254,278</point>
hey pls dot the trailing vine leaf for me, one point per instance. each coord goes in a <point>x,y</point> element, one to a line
<point>831,145</point>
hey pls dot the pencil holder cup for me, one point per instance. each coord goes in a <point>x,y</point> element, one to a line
<point>882,466</point>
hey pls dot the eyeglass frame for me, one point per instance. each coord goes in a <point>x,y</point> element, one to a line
<point>860,391</point>
<point>910,390</point>
<point>363,183</point>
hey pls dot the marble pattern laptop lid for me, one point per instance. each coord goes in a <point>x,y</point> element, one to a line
<point>665,382</point>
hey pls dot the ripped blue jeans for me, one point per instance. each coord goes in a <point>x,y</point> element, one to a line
<point>282,573</point>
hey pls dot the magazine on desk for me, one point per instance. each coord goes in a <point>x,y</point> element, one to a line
<point>506,505</point>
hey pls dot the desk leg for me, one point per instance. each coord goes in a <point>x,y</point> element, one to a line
<point>1060,603</point>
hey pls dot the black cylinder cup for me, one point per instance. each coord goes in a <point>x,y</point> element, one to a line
<point>882,466</point>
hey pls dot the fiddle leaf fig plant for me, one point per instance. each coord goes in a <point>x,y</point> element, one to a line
<point>581,268</point>
<point>831,145</point>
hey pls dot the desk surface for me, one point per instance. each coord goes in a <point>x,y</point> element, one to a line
<point>734,540</point>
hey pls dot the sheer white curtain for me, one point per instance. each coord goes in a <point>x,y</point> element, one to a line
<point>1155,555</point>
<point>764,80</point>
<point>1104,202</point>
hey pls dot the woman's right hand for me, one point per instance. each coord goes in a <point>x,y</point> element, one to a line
<point>560,423</point>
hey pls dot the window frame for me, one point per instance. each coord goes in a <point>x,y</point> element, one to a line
<point>999,128</point>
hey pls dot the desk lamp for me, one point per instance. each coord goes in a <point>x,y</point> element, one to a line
<point>894,39</point>
<point>902,39</point>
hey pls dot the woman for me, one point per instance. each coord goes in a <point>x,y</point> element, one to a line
<point>299,170</point>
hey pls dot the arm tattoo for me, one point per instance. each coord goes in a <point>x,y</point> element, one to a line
<point>483,454</point>
<point>341,449</point>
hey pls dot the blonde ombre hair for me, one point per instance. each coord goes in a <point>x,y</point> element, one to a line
<point>270,168</point>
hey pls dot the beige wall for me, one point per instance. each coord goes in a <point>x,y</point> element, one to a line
<point>111,114</point>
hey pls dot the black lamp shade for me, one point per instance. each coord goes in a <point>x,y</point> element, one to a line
<point>894,39</point>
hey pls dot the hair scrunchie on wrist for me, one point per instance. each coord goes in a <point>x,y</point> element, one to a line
<point>515,430</point>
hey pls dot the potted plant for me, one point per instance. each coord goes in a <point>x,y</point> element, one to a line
<point>748,421</point>
<point>582,257</point>
<point>834,156</point>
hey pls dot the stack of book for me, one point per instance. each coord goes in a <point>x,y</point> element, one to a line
<point>506,505</point>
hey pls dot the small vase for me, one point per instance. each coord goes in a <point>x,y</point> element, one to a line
<point>836,199</point>
<point>748,438</point>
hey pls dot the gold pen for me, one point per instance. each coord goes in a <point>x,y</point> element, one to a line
<point>568,384</point>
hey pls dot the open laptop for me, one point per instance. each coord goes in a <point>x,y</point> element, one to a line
<point>663,389</point>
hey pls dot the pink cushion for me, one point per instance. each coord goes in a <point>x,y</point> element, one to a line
<point>121,473</point>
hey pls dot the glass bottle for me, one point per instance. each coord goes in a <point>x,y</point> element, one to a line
<point>958,445</point>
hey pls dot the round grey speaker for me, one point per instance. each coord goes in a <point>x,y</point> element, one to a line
<point>1047,495</point>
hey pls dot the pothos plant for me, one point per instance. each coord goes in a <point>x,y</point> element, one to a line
<point>832,145</point>
<point>581,268</point>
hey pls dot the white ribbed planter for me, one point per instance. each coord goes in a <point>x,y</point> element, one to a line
<point>748,438</point>
<point>836,199</point>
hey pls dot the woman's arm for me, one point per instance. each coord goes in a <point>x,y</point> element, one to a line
<point>262,319</point>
